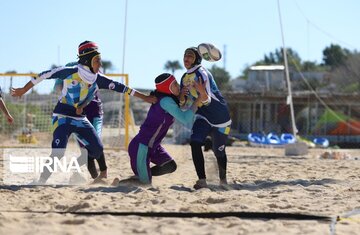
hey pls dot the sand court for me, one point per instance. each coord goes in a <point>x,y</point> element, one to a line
<point>262,181</point>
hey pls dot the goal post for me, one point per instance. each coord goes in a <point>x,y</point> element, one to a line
<point>32,113</point>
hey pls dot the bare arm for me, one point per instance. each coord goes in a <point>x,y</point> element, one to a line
<point>203,96</point>
<point>18,92</point>
<point>5,111</point>
<point>147,98</point>
<point>183,93</point>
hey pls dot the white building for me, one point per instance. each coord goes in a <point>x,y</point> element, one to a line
<point>265,78</point>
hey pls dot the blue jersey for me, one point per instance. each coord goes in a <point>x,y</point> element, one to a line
<point>215,110</point>
<point>79,87</point>
<point>94,109</point>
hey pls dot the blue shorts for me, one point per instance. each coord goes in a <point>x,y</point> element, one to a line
<point>97,124</point>
<point>201,129</point>
<point>63,127</point>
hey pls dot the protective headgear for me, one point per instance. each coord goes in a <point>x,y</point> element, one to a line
<point>87,51</point>
<point>163,83</point>
<point>194,51</point>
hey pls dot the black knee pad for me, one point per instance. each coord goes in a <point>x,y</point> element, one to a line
<point>166,168</point>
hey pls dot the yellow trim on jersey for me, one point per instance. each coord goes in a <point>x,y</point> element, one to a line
<point>54,126</point>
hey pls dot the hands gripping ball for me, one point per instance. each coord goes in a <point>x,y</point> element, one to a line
<point>209,52</point>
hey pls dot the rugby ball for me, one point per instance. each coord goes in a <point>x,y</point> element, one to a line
<point>209,52</point>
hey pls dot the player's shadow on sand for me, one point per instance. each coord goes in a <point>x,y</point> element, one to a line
<point>259,185</point>
<point>127,185</point>
<point>282,159</point>
<point>117,189</point>
<point>264,184</point>
<point>37,187</point>
<point>15,187</point>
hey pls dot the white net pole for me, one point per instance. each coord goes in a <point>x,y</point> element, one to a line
<point>123,66</point>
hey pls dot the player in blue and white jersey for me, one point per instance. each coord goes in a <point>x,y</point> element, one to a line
<point>80,83</point>
<point>212,118</point>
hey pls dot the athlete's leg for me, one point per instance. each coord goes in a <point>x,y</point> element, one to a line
<point>139,160</point>
<point>199,132</point>
<point>198,159</point>
<point>164,163</point>
<point>97,124</point>
<point>92,143</point>
<point>219,137</point>
<point>219,141</point>
<point>92,168</point>
<point>90,160</point>
<point>88,137</point>
<point>61,131</point>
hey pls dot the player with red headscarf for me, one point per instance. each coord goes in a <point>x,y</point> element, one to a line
<point>145,147</point>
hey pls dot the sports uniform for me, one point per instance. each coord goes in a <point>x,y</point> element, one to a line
<point>212,118</point>
<point>80,84</point>
<point>94,113</point>
<point>146,147</point>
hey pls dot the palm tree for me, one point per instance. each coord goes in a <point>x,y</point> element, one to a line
<point>173,66</point>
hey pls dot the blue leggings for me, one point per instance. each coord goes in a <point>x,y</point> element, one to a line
<point>96,122</point>
<point>63,127</point>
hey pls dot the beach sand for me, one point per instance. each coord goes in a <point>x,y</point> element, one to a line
<point>260,180</point>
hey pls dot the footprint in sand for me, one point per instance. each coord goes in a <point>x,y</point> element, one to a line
<point>73,208</point>
<point>89,197</point>
<point>73,222</point>
<point>211,200</point>
<point>79,207</point>
<point>273,205</point>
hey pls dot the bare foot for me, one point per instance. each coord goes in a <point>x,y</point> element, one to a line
<point>223,182</point>
<point>201,183</point>
<point>103,174</point>
<point>101,177</point>
<point>115,182</point>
